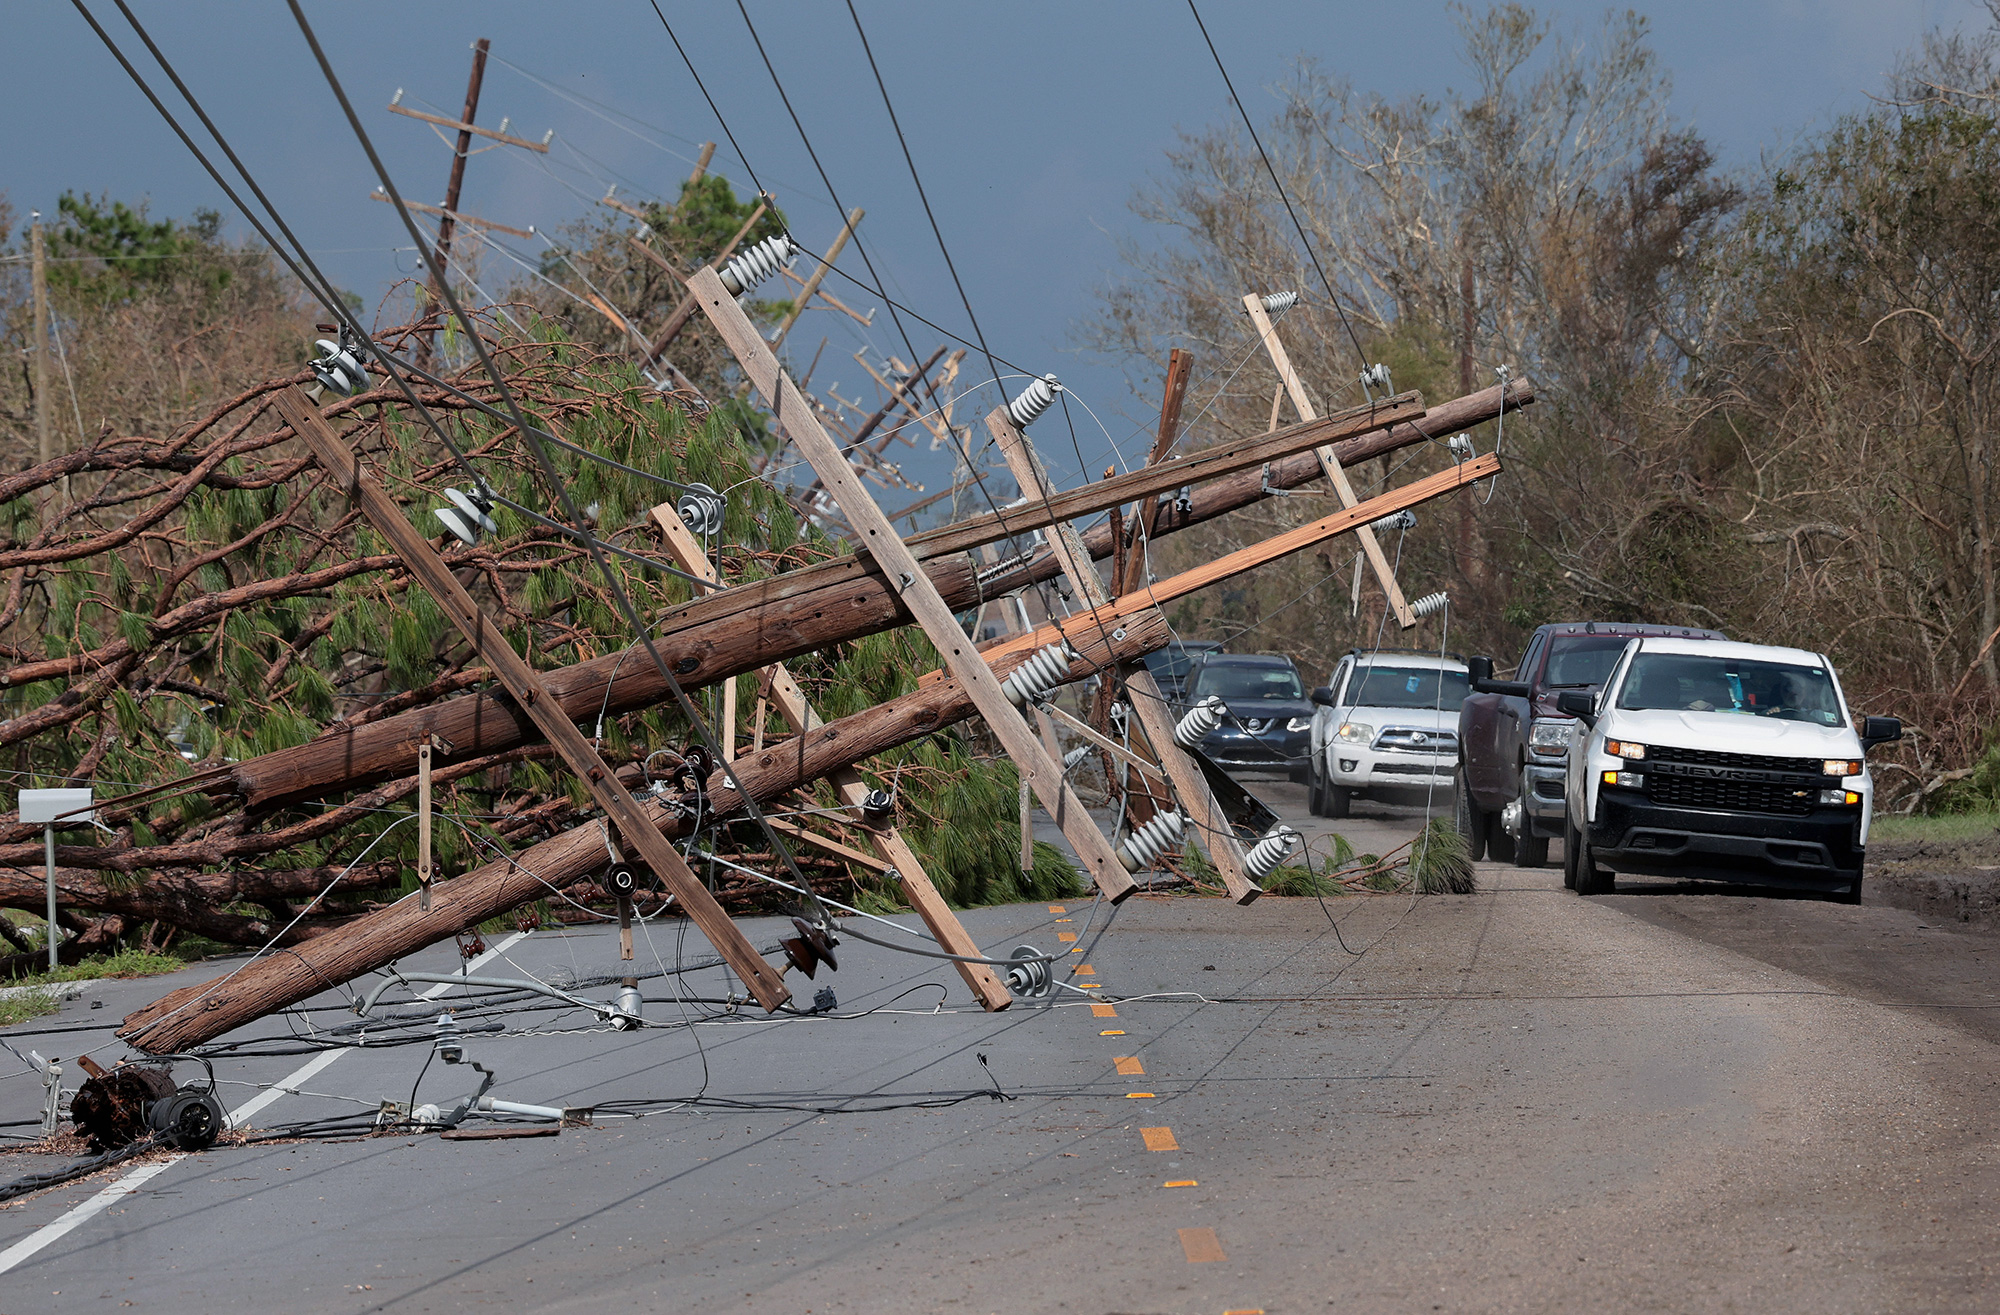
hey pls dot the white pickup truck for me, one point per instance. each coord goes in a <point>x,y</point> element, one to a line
<point>1719,761</point>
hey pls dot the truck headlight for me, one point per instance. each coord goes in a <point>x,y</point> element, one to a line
<point>1299,724</point>
<point>1625,749</point>
<point>1839,797</point>
<point>1840,767</point>
<point>1550,737</point>
<point>1354,732</point>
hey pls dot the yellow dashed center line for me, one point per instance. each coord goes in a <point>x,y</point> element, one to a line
<point>1129,1064</point>
<point>1202,1245</point>
<point>1065,935</point>
<point>1140,1095</point>
<point>1159,1139</point>
<point>1085,970</point>
<point>1116,1031</point>
<point>1104,1011</point>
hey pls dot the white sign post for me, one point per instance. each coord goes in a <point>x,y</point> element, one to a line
<point>53,808</point>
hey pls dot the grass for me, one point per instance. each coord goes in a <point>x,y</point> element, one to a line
<point>28,1004</point>
<point>125,963</point>
<point>1943,826</point>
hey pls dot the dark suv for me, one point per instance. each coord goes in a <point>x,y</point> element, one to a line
<point>1170,665</point>
<point>1269,726</point>
<point>1513,744</point>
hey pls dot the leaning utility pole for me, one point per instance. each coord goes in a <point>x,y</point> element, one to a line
<point>446,222</point>
<point>44,442</point>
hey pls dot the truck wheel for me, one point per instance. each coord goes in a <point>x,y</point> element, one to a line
<point>1572,842</point>
<point>1337,799</point>
<point>1466,817</point>
<point>1499,845</point>
<point>1590,878</point>
<point>1315,791</point>
<point>1530,850</point>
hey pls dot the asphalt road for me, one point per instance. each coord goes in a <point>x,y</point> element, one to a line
<point>1515,1100</point>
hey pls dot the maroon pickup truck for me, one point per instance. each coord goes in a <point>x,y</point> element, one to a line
<point>1513,745</point>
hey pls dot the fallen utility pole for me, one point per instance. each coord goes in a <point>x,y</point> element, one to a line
<point>530,693</point>
<point>918,891</point>
<point>685,311</point>
<point>749,627</point>
<point>913,588</point>
<point>200,1013</point>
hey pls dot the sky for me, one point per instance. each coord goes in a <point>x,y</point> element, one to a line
<point>1030,124</point>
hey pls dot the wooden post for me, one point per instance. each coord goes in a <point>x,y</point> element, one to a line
<point>1148,706</point>
<point>424,823</point>
<point>1331,463</point>
<point>812,284</point>
<point>1180,365</point>
<point>459,153</point>
<point>701,165</point>
<point>918,891</point>
<point>879,540</point>
<point>531,694</point>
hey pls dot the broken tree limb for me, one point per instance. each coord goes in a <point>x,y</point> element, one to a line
<point>200,1013</point>
<point>913,588</point>
<point>528,690</point>
<point>752,626</point>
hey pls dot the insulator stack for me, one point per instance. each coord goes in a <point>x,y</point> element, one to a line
<point>1074,757</point>
<point>1430,603</point>
<point>1277,303</point>
<point>1461,447</point>
<point>1150,841</point>
<point>878,805</point>
<point>1034,400</point>
<point>1198,721</point>
<point>338,368</point>
<point>702,507</point>
<point>468,517</point>
<point>1042,672</point>
<point>747,269</point>
<point>1029,975</point>
<point>1396,520</point>
<point>1377,376</point>
<point>1266,854</point>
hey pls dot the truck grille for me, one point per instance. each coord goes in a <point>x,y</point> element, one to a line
<point>1716,758</point>
<point>1731,796</point>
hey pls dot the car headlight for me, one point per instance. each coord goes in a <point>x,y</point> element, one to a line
<point>1841,767</point>
<point>1551,737</point>
<point>1625,749</point>
<point>1299,724</point>
<point>1354,732</point>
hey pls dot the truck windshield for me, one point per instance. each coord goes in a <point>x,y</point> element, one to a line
<point>1690,682</point>
<point>1233,683</point>
<point>1576,660</point>
<point>1405,687</point>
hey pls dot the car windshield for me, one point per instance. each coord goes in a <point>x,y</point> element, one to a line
<point>1246,683</point>
<point>1576,660</point>
<point>1692,682</point>
<point>1172,663</point>
<point>1405,687</point>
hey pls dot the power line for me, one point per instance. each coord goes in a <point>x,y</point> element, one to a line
<point>1304,241</point>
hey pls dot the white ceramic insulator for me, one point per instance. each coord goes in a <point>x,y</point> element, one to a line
<point>702,507</point>
<point>1075,756</point>
<point>1277,303</point>
<point>1461,446</point>
<point>1043,671</point>
<point>1151,840</point>
<point>1034,400</point>
<point>1431,603</point>
<point>747,269</point>
<point>338,370</point>
<point>1198,721</point>
<point>1395,520</point>
<point>1266,854</point>
<point>1377,376</point>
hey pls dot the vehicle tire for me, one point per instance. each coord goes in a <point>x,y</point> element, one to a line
<point>1499,845</point>
<point>1590,878</point>
<point>1530,850</point>
<point>1315,791</point>
<point>1338,797</point>
<point>1466,817</point>
<point>1572,843</point>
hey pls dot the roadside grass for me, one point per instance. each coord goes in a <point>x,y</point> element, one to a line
<point>24,1005</point>
<point>1941,826</point>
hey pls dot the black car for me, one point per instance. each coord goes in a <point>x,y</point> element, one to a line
<point>1270,722</point>
<point>1170,666</point>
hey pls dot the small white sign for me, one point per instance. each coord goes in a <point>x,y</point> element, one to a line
<point>41,807</point>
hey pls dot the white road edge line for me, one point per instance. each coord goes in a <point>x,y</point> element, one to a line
<point>133,1181</point>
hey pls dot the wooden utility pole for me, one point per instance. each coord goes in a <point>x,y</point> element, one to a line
<point>913,588</point>
<point>1335,475</point>
<point>1468,325</point>
<point>1148,705</point>
<point>895,852</point>
<point>531,693</point>
<point>458,157</point>
<point>45,447</point>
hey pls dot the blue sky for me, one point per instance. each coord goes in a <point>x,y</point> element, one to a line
<point>1031,124</point>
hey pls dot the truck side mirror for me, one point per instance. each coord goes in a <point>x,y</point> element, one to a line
<point>1323,695</point>
<point>1580,704</point>
<point>1479,674</point>
<point>1879,730</point>
<point>1479,669</point>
